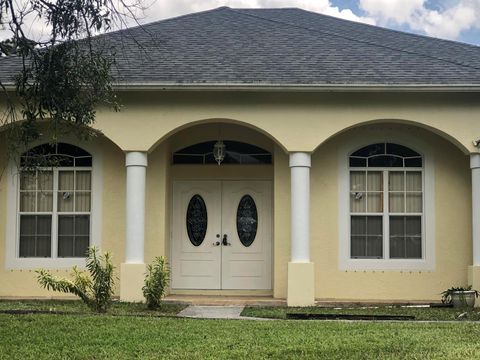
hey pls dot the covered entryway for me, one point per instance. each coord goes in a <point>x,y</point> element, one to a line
<point>222,235</point>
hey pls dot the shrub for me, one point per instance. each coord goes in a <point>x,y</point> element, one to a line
<point>94,286</point>
<point>156,282</point>
<point>447,294</point>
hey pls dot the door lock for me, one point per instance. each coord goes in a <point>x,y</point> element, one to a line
<point>225,241</point>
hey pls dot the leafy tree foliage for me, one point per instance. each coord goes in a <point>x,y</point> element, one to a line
<point>64,75</point>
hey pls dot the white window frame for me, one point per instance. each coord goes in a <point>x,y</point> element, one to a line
<point>405,138</point>
<point>12,258</point>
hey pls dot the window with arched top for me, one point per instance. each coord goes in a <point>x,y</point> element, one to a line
<point>236,153</point>
<point>54,202</point>
<point>386,202</point>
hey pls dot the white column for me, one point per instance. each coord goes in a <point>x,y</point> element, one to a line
<point>300,164</point>
<point>475,166</point>
<point>136,163</point>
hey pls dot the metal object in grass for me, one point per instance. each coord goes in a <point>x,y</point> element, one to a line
<point>311,316</point>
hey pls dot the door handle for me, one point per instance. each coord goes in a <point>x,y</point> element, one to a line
<point>225,240</point>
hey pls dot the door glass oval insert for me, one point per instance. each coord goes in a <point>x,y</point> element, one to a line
<point>247,220</point>
<point>197,220</point>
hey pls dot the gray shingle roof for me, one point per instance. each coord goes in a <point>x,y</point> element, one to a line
<point>283,47</point>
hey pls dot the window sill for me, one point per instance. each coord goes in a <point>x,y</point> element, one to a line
<point>386,264</point>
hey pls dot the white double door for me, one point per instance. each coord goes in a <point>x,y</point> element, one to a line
<point>222,235</point>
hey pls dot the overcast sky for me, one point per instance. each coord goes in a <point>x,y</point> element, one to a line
<point>448,19</point>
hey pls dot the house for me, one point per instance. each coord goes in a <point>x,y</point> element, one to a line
<point>269,152</point>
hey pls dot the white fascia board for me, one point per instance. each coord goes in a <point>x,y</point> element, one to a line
<point>297,87</point>
<point>153,86</point>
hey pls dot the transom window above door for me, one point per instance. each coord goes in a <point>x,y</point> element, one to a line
<point>54,197</point>
<point>386,202</point>
<point>236,153</point>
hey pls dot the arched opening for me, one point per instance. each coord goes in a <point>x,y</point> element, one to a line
<point>399,124</point>
<point>219,128</point>
<point>220,233</point>
<point>391,195</point>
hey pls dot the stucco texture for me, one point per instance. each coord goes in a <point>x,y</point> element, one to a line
<point>161,122</point>
<point>22,282</point>
<point>296,121</point>
<point>453,245</point>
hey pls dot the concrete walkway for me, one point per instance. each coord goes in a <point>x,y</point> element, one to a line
<point>215,312</point>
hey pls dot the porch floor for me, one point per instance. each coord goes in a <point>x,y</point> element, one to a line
<point>219,300</point>
<point>246,300</point>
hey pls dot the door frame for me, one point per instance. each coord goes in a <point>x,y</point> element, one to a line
<point>214,292</point>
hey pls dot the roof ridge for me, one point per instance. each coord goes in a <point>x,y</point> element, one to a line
<point>238,11</point>
<point>376,27</point>
<point>143,26</point>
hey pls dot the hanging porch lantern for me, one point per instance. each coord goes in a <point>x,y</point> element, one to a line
<point>219,151</point>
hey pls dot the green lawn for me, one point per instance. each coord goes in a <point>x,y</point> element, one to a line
<point>126,337</point>
<point>130,331</point>
<point>76,306</point>
<point>446,314</point>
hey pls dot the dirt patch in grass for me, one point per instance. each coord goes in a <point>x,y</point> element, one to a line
<point>417,313</point>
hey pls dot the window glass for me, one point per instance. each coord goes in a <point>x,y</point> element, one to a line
<point>405,237</point>
<point>47,192</point>
<point>385,188</point>
<point>196,220</point>
<point>60,155</point>
<point>366,232</point>
<point>73,235</point>
<point>358,200</point>
<point>235,153</point>
<point>385,155</point>
<point>247,220</point>
<point>375,191</point>
<point>35,235</point>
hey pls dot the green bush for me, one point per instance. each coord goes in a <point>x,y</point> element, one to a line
<point>447,294</point>
<point>94,286</point>
<point>156,282</point>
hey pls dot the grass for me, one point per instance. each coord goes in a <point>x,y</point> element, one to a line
<point>77,307</point>
<point>428,314</point>
<point>119,337</point>
<point>130,331</point>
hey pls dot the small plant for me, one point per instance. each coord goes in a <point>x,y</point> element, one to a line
<point>94,286</point>
<point>156,282</point>
<point>447,295</point>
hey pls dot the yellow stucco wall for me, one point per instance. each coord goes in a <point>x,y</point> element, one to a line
<point>159,123</point>
<point>281,223</point>
<point>297,121</point>
<point>21,282</point>
<point>453,245</point>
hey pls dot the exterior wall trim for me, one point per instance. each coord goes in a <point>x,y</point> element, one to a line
<point>299,87</point>
<point>155,86</point>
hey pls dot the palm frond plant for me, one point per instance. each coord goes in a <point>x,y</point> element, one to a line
<point>93,286</point>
